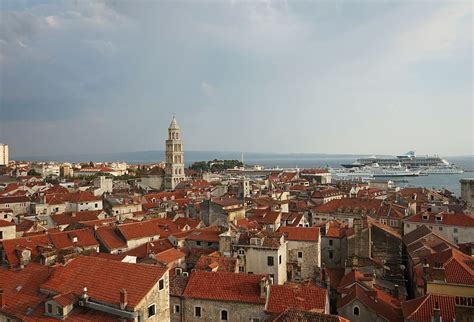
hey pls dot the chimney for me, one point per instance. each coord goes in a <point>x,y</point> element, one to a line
<point>396,291</point>
<point>73,214</point>
<point>2,298</point>
<point>84,294</point>
<point>123,298</point>
<point>437,313</point>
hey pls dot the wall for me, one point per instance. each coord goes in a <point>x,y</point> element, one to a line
<point>159,297</point>
<point>211,310</point>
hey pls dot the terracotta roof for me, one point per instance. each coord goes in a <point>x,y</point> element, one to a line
<point>353,204</point>
<point>449,219</point>
<point>4,223</point>
<point>382,305</point>
<point>90,272</point>
<point>21,289</point>
<point>209,234</point>
<point>69,218</point>
<point>336,229</point>
<point>452,266</point>
<point>178,284</point>
<point>297,296</point>
<point>169,256</point>
<point>107,235</point>
<point>73,238</point>
<point>328,192</point>
<point>11,246</point>
<point>421,309</point>
<point>9,200</point>
<point>142,229</point>
<point>300,233</point>
<point>353,277</point>
<point>181,222</point>
<point>224,286</point>
<point>66,299</point>
<point>213,262</point>
<point>226,202</point>
<point>263,216</point>
<point>154,247</point>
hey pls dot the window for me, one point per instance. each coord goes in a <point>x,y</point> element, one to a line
<point>440,228</point>
<point>177,308</point>
<point>279,259</point>
<point>50,308</point>
<point>241,269</point>
<point>209,243</point>
<point>161,284</point>
<point>151,310</point>
<point>455,230</point>
<point>198,243</point>
<point>456,240</point>
<point>300,254</point>
<point>1,234</point>
<point>330,242</point>
<point>224,315</point>
<point>97,205</point>
<point>59,310</point>
<point>270,260</point>
<point>241,252</point>
<point>408,225</point>
<point>197,311</point>
<point>356,310</point>
<point>330,255</point>
<point>393,222</point>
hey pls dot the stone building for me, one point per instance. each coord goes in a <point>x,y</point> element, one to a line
<point>4,157</point>
<point>221,211</point>
<point>223,296</point>
<point>174,169</point>
<point>334,243</point>
<point>304,256</point>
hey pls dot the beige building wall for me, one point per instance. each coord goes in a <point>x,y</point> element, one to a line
<point>4,155</point>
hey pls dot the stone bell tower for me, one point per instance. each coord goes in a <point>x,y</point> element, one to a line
<point>174,170</point>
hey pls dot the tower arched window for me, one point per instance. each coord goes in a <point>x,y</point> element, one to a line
<point>356,310</point>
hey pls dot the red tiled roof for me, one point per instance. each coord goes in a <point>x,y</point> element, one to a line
<point>154,247</point>
<point>107,235</point>
<point>224,286</point>
<point>353,277</point>
<point>454,266</point>
<point>181,222</point>
<point>213,260</point>
<point>349,203</point>
<point>382,305</point>
<point>209,234</point>
<point>142,229</point>
<point>4,223</point>
<point>69,218</point>
<point>104,279</point>
<point>298,315</point>
<point>421,309</point>
<point>300,233</point>
<point>461,220</point>
<point>65,239</point>
<point>10,247</point>
<point>9,200</point>
<point>226,202</point>
<point>169,256</point>
<point>287,296</point>
<point>263,216</point>
<point>21,289</point>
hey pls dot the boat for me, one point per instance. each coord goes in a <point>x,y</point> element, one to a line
<point>423,165</point>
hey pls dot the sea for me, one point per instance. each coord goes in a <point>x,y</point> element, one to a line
<point>271,160</point>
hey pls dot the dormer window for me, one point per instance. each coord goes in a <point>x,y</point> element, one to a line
<point>439,218</point>
<point>425,217</point>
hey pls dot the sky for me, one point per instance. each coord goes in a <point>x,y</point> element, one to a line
<point>362,77</point>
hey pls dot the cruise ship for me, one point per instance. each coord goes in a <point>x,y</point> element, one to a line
<point>409,160</point>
